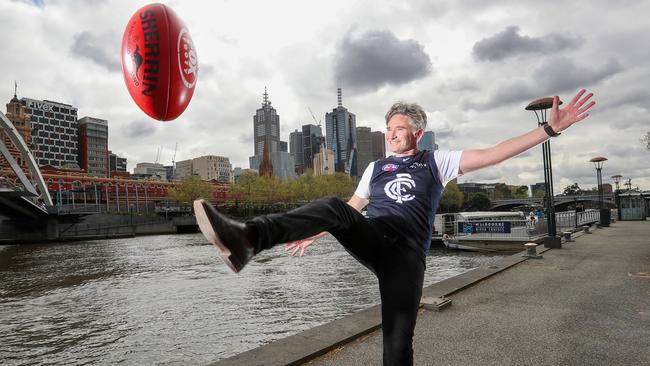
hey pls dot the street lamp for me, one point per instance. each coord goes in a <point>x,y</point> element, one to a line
<point>617,179</point>
<point>540,106</point>
<point>605,215</point>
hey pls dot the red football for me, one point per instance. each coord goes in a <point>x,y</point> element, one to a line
<point>159,62</point>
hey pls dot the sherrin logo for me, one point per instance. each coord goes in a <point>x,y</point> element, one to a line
<point>390,167</point>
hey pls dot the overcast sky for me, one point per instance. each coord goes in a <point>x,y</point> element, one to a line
<point>473,65</point>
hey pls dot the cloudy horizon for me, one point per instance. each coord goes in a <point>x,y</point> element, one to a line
<point>473,65</point>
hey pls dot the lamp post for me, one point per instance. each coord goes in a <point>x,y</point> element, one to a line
<point>617,179</point>
<point>540,106</point>
<point>605,215</point>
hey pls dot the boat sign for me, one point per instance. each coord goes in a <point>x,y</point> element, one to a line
<point>492,227</point>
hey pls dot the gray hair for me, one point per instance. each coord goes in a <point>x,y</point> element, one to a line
<point>412,110</point>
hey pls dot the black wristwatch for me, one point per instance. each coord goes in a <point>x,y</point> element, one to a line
<point>549,130</point>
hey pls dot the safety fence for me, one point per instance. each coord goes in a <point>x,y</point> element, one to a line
<point>518,229</point>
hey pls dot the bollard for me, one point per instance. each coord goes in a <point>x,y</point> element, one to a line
<point>567,236</point>
<point>531,251</point>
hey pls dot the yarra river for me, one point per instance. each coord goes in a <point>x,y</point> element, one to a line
<point>169,299</point>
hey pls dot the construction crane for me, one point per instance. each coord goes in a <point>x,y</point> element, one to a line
<point>158,154</point>
<point>323,141</point>
<point>174,161</point>
<point>312,116</point>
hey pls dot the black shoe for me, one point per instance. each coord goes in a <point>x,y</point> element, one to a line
<point>230,237</point>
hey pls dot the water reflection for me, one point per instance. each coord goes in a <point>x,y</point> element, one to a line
<point>169,299</point>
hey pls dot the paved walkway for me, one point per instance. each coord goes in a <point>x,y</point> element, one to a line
<point>585,304</point>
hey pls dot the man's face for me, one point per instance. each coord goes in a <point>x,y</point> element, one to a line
<point>400,136</point>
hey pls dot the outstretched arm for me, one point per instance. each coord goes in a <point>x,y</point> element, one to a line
<point>560,120</point>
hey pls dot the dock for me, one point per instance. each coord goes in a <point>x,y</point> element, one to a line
<point>587,303</point>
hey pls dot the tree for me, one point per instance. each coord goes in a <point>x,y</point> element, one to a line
<point>306,187</point>
<point>452,198</point>
<point>646,140</point>
<point>190,189</point>
<point>519,192</point>
<point>501,191</point>
<point>572,190</point>
<point>477,202</point>
<point>539,193</point>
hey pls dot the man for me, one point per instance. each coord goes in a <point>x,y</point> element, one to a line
<point>402,194</point>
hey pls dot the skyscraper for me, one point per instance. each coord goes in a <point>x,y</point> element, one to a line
<point>378,145</point>
<point>55,132</point>
<point>428,141</point>
<point>312,139</point>
<point>364,148</point>
<point>341,137</point>
<point>266,131</point>
<point>266,127</point>
<point>296,149</point>
<point>93,146</point>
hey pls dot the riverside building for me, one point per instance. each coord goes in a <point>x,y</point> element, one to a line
<point>93,146</point>
<point>55,132</point>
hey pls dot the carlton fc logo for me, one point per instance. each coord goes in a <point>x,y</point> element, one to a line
<point>390,167</point>
<point>397,189</point>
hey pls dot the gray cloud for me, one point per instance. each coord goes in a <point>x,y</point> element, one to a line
<point>554,76</point>
<point>376,58</point>
<point>93,48</point>
<point>563,74</point>
<point>139,128</point>
<point>509,43</point>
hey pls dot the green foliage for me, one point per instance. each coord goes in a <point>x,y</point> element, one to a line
<point>306,187</point>
<point>539,193</point>
<point>572,190</point>
<point>518,191</point>
<point>191,188</point>
<point>452,198</point>
<point>477,202</point>
<point>502,191</point>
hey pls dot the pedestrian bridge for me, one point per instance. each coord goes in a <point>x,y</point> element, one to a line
<point>608,199</point>
<point>17,202</point>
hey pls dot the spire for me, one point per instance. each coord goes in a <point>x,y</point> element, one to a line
<point>265,100</point>
<point>340,97</point>
<point>266,168</point>
<point>15,98</point>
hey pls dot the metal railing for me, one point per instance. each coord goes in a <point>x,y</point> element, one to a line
<point>528,229</point>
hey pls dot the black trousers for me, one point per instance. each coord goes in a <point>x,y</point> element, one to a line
<point>396,260</point>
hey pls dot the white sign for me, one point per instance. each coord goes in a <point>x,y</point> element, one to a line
<point>44,106</point>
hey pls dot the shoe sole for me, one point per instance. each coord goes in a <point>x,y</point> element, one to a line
<point>207,228</point>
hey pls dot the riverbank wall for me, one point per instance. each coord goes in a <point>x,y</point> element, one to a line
<point>93,227</point>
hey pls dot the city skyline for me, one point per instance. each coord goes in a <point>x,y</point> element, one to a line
<point>473,68</point>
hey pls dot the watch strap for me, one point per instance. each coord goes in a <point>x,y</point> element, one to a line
<point>549,130</point>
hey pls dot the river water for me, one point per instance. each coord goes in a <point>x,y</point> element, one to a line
<point>170,300</point>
